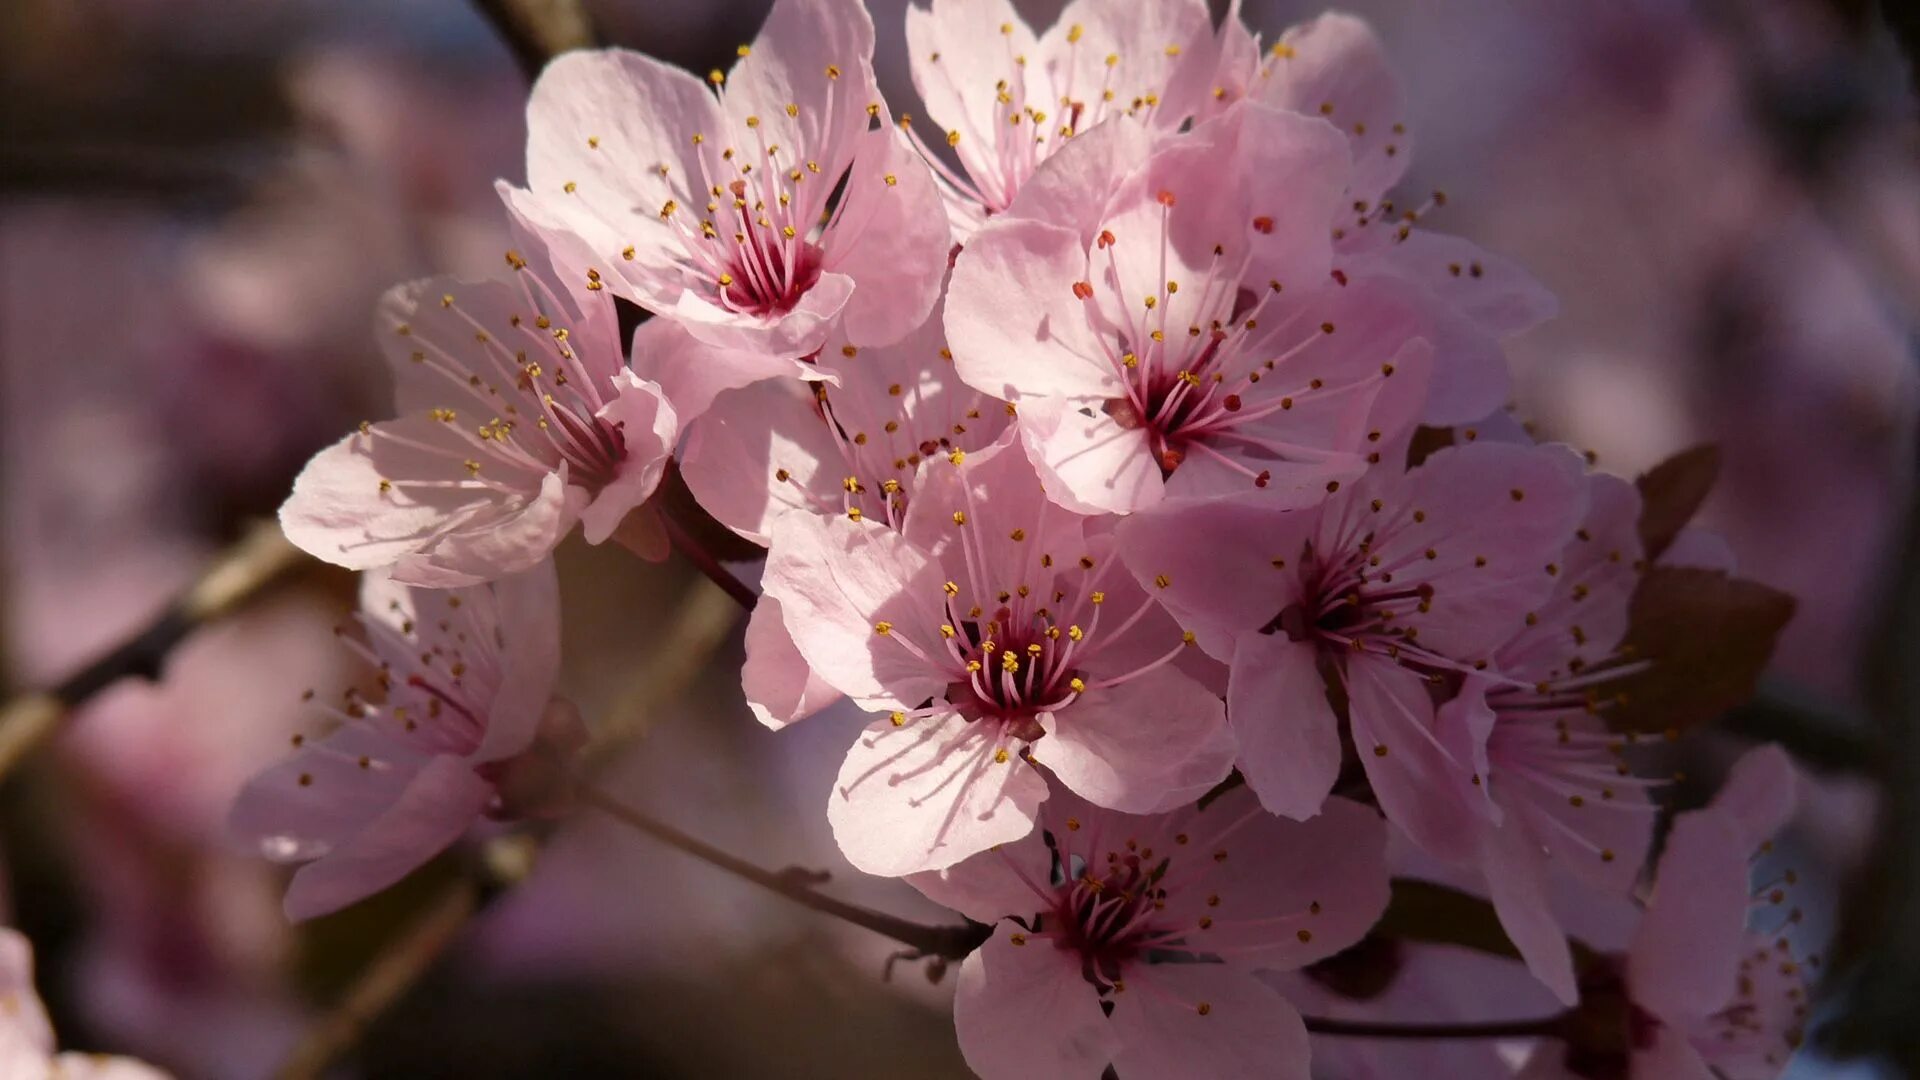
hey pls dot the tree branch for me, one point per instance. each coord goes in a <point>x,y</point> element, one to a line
<point>261,558</point>
<point>1550,1027</point>
<point>947,942</point>
<point>538,30</point>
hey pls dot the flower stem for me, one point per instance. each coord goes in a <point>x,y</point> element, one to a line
<point>684,542</point>
<point>1543,1027</point>
<point>947,942</point>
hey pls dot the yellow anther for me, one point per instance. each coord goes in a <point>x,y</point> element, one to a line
<point>898,718</point>
<point>1077,685</point>
<point>883,628</point>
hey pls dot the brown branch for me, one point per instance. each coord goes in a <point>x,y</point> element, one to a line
<point>696,553</point>
<point>947,942</point>
<point>261,558</point>
<point>538,30</point>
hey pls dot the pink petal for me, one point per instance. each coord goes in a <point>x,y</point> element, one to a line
<point>1685,955</point>
<point>892,240</point>
<point>1164,50</point>
<point>1090,464</point>
<point>692,373</point>
<point>927,794</point>
<point>793,333</point>
<point>426,519</point>
<point>788,66</point>
<point>954,47</point>
<point>1516,873</point>
<point>1336,60</point>
<point>602,121</point>
<point>839,579</point>
<point>736,452</point>
<point>1759,796</point>
<point>1596,581</point>
<point>1671,1057</point>
<point>1011,879</point>
<point>1287,894</point>
<point>1425,791</point>
<point>527,610</point>
<point>1013,321</point>
<point>1071,187</point>
<point>437,806</point>
<point>317,800</point>
<point>1246,1029</point>
<point>1235,588</point>
<point>1150,744</point>
<point>780,687</point>
<point>73,1066</point>
<point>1289,740</point>
<point>1497,296</point>
<point>26,1036</point>
<point>649,427</point>
<point>1023,1012</point>
<point>1467,496</point>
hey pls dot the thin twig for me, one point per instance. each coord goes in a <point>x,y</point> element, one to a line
<point>948,942</point>
<point>689,547</point>
<point>538,30</point>
<point>261,558</point>
<point>386,981</point>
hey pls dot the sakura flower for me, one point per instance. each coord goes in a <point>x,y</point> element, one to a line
<point>1707,987</point>
<point>1193,345</point>
<point>26,1036</point>
<point>995,630</point>
<point>1394,584</point>
<point>1559,778</point>
<point>468,725</point>
<point>518,418</point>
<point>1132,940</point>
<point>992,85</point>
<point>850,445</point>
<point>1335,68</point>
<point>718,209</point>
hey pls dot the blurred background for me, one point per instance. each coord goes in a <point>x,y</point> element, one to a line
<point>201,200</point>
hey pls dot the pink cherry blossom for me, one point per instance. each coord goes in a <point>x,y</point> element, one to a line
<point>1714,987</point>
<point>518,418</point>
<point>1394,584</point>
<point>1566,798</point>
<point>716,210</point>
<point>26,1037</point>
<point>996,631</point>
<point>1194,345</point>
<point>1132,940</point>
<point>1335,68</point>
<point>467,724</point>
<point>1007,98</point>
<point>851,444</point>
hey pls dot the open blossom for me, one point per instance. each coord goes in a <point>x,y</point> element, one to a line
<point>518,418</point>
<point>1190,342</point>
<point>468,724</point>
<point>1381,594</point>
<point>852,444</point>
<point>1132,940</point>
<point>1007,98</point>
<point>996,630</point>
<point>1334,67</point>
<point>718,210</point>
<point>1710,986</point>
<point>26,1036</point>
<point>1558,776</point>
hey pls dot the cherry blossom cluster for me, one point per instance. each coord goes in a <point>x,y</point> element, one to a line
<point>1130,449</point>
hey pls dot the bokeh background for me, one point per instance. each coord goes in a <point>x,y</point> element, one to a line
<point>200,201</point>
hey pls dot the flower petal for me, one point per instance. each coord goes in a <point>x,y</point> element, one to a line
<point>779,686</point>
<point>1149,744</point>
<point>927,794</point>
<point>1206,1020</point>
<point>1289,740</point>
<point>1022,1012</point>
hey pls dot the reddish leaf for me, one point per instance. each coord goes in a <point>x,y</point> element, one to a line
<point>1707,637</point>
<point>1671,493</point>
